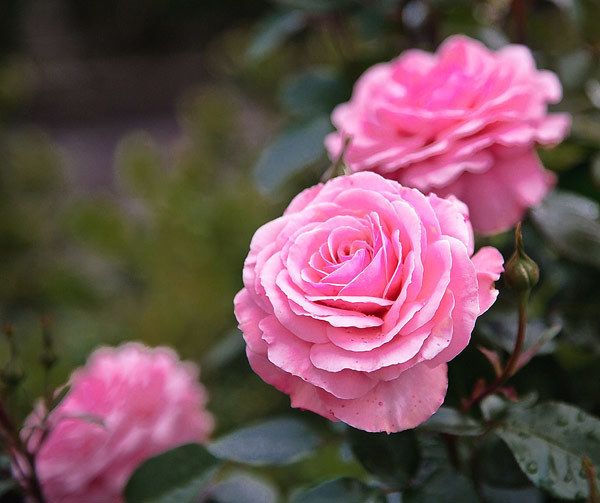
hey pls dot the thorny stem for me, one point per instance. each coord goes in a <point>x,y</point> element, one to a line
<point>511,365</point>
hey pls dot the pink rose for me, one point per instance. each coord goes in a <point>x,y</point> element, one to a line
<point>464,121</point>
<point>355,299</point>
<point>125,406</point>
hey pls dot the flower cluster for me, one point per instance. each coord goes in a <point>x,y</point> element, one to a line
<point>357,297</point>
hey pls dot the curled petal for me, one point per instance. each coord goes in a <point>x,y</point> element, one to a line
<point>488,263</point>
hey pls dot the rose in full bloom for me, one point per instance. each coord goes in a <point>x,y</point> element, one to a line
<point>126,405</point>
<point>355,299</point>
<point>463,121</point>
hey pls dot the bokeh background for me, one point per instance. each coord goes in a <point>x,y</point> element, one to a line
<point>143,141</point>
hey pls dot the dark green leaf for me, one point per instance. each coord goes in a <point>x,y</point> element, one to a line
<point>549,441</point>
<point>226,350</point>
<point>313,92</point>
<point>243,487</point>
<point>571,224</point>
<point>7,486</point>
<point>436,479</point>
<point>274,31</point>
<point>449,420</point>
<point>511,495</point>
<point>448,486</point>
<point>342,490</point>
<point>495,465</point>
<point>393,458</point>
<point>291,151</point>
<point>176,476</point>
<point>275,442</point>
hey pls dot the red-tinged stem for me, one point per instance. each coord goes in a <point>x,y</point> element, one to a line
<point>511,365</point>
<point>590,474</point>
<point>18,453</point>
<point>519,10</point>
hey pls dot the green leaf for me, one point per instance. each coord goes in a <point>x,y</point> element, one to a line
<point>341,490</point>
<point>493,494</point>
<point>549,441</point>
<point>436,479</point>
<point>449,420</point>
<point>571,224</point>
<point>313,92</point>
<point>244,487</point>
<point>273,32</point>
<point>291,151</point>
<point>6,486</point>
<point>499,330</point>
<point>393,458</point>
<point>496,466</point>
<point>224,352</point>
<point>176,476</point>
<point>448,486</point>
<point>274,442</point>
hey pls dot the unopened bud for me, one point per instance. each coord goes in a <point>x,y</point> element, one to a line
<point>12,373</point>
<point>521,272</point>
<point>48,356</point>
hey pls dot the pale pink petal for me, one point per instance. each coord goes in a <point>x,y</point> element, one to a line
<point>488,263</point>
<point>396,405</point>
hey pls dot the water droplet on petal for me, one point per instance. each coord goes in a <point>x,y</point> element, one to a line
<point>532,467</point>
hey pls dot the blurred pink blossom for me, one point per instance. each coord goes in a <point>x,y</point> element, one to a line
<point>463,121</point>
<point>126,405</point>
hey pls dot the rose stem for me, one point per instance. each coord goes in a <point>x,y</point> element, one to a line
<point>511,366</point>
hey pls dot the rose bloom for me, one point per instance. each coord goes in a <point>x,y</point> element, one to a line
<point>463,121</point>
<point>126,405</point>
<point>355,299</point>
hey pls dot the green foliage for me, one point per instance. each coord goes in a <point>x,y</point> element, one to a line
<point>341,490</point>
<point>176,476</point>
<point>313,92</point>
<point>176,248</point>
<point>240,486</point>
<point>290,152</point>
<point>159,257</point>
<point>274,442</point>
<point>438,479</point>
<point>273,32</point>
<point>392,458</point>
<point>571,224</point>
<point>452,422</point>
<point>549,442</point>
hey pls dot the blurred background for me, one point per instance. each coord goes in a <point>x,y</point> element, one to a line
<point>142,142</point>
